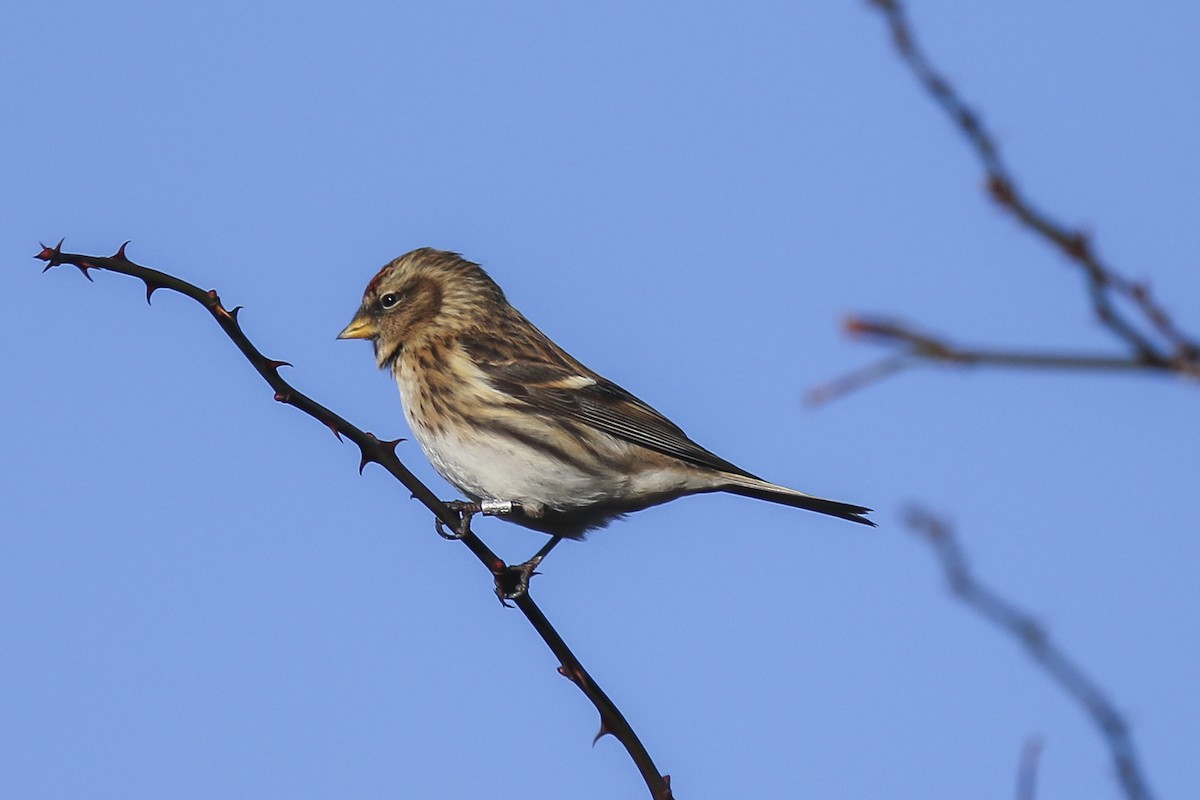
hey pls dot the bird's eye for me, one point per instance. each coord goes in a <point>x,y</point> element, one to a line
<point>389,300</point>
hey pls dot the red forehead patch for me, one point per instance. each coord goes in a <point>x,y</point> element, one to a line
<point>374,284</point>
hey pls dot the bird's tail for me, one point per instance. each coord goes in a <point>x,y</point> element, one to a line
<point>758,488</point>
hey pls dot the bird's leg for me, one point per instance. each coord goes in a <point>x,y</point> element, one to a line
<point>511,582</point>
<point>514,581</point>
<point>500,508</point>
<point>540,554</point>
<point>465,511</point>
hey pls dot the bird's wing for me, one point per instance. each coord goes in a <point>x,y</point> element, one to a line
<point>558,384</point>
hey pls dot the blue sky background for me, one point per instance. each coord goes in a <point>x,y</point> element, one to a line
<point>201,598</point>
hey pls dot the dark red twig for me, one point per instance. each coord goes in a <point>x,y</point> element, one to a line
<point>374,450</point>
<point>1036,642</point>
<point>1152,340</point>
<point>917,347</point>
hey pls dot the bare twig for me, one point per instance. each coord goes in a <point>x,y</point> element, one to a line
<point>1031,636</point>
<point>612,721</point>
<point>1151,338</point>
<point>1031,754</point>
<point>918,348</point>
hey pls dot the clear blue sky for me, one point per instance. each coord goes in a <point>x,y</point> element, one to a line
<point>200,596</point>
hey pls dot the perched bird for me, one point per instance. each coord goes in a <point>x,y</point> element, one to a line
<point>505,414</point>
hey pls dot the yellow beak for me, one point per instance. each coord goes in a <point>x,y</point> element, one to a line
<point>361,327</point>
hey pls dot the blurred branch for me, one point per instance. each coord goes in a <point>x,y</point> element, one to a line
<point>917,347</point>
<point>612,721</point>
<point>1031,753</point>
<point>1125,307</point>
<point>1034,639</point>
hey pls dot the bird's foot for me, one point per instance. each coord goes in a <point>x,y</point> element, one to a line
<point>465,511</point>
<point>513,582</point>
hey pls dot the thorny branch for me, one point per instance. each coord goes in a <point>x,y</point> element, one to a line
<point>1151,339</point>
<point>612,721</point>
<point>1033,637</point>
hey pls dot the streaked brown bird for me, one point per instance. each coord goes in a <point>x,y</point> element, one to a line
<point>506,415</point>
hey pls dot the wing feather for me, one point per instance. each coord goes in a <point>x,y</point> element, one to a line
<point>564,386</point>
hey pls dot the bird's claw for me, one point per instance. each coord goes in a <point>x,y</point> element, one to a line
<point>465,511</point>
<point>513,582</point>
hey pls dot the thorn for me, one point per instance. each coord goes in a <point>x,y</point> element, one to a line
<point>51,255</point>
<point>275,365</point>
<point>572,675</point>
<point>390,446</point>
<point>334,430</point>
<point>120,254</point>
<point>84,266</point>
<point>151,288</point>
<point>600,734</point>
<point>234,314</point>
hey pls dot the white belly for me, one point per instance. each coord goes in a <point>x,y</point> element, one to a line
<point>500,468</point>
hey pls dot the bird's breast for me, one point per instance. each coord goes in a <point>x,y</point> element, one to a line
<point>487,447</point>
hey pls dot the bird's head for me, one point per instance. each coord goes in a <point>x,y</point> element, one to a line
<point>422,292</point>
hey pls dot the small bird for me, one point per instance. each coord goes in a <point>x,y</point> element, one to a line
<point>506,415</point>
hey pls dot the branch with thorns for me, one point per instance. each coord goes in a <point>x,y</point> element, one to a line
<point>1152,340</point>
<point>1037,643</point>
<point>511,582</point>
